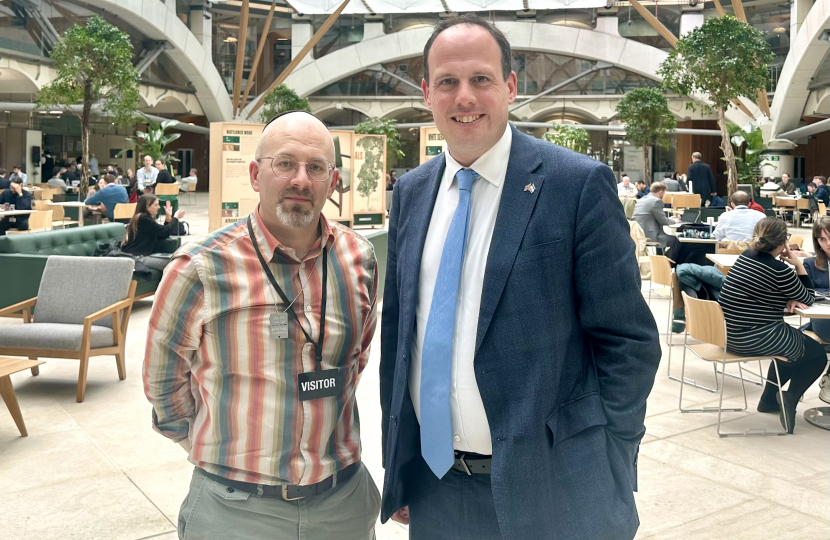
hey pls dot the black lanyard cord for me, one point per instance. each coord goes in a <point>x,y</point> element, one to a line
<point>318,347</point>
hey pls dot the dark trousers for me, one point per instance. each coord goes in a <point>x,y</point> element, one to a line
<point>802,372</point>
<point>456,507</point>
<point>22,224</point>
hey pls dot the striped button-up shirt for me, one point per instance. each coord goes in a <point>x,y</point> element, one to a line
<point>216,376</point>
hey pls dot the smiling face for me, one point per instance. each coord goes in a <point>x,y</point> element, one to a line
<point>294,202</point>
<point>467,93</point>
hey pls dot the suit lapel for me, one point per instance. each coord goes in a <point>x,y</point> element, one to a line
<point>420,214</point>
<point>515,208</point>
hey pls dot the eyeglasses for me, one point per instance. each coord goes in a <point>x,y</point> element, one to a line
<point>318,170</point>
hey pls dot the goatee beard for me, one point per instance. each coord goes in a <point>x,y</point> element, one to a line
<point>295,216</point>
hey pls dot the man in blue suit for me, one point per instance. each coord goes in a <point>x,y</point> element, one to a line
<point>517,351</point>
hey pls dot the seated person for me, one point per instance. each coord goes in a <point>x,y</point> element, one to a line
<point>817,269</point>
<point>642,189</point>
<point>17,172</point>
<point>756,293</point>
<point>649,214</point>
<point>73,175</point>
<point>787,186</point>
<point>752,205</point>
<point>822,194</point>
<point>58,182</point>
<point>143,231</point>
<point>4,181</point>
<point>164,176</point>
<point>738,223</point>
<point>625,189</point>
<point>22,200</point>
<point>671,183</point>
<point>770,188</point>
<point>107,197</point>
<point>681,179</point>
<point>188,183</point>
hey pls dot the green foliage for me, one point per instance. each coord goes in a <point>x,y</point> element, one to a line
<point>94,65</point>
<point>723,59</point>
<point>749,149</point>
<point>152,142</point>
<point>281,99</point>
<point>648,120</point>
<point>573,137</point>
<point>383,126</point>
<point>372,167</point>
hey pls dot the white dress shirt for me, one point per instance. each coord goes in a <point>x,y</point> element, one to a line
<point>737,224</point>
<point>146,178</point>
<point>469,421</point>
<point>622,190</point>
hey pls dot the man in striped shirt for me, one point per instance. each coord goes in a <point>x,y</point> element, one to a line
<point>258,336</point>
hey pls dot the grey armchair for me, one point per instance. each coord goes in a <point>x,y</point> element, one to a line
<point>82,310</point>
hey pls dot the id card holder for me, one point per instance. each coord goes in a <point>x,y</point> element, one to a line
<point>279,325</point>
<point>319,384</point>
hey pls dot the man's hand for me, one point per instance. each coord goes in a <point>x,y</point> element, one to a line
<point>402,516</point>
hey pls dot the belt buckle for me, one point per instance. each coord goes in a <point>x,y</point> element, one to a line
<point>285,496</point>
<point>464,464</point>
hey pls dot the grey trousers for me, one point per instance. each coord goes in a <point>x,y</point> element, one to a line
<point>348,511</point>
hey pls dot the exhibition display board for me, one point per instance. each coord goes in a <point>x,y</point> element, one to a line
<point>369,179</point>
<point>432,143</point>
<point>233,147</point>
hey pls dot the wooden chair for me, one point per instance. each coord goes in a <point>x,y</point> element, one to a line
<point>166,189</point>
<point>797,240</point>
<point>59,218</point>
<point>822,210</point>
<point>662,274</point>
<point>44,194</point>
<point>88,319</point>
<point>782,207</point>
<point>705,323</point>
<point>686,200</point>
<point>9,366</point>
<point>38,221</point>
<point>40,205</point>
<point>124,212</point>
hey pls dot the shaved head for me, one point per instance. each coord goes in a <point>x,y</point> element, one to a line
<point>296,126</point>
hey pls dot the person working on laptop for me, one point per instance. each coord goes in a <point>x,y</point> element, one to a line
<point>738,223</point>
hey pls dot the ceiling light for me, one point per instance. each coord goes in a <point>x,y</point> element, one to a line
<point>230,39</point>
<point>779,30</point>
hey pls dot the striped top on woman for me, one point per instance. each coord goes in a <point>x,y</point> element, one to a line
<point>753,298</point>
<point>216,376</point>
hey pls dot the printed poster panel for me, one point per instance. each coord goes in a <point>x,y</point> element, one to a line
<point>338,207</point>
<point>432,143</point>
<point>369,178</point>
<point>239,142</point>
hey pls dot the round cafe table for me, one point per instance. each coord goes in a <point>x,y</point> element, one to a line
<point>818,416</point>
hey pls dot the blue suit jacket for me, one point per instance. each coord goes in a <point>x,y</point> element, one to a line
<point>566,349</point>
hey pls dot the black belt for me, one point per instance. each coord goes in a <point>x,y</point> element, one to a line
<point>472,464</point>
<point>287,493</point>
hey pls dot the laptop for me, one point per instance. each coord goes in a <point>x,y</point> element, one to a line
<point>690,215</point>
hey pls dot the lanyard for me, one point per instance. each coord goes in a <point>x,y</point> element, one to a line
<point>318,347</point>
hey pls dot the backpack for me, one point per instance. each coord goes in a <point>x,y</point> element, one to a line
<point>184,229</point>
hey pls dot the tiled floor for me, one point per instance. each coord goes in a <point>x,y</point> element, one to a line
<point>97,470</point>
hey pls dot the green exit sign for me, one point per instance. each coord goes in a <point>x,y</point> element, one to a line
<point>230,139</point>
<point>775,158</point>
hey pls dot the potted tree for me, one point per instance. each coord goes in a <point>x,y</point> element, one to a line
<point>648,121</point>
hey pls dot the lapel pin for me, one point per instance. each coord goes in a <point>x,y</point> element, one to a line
<point>530,187</point>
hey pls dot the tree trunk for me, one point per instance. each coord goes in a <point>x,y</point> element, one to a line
<point>85,115</point>
<point>729,154</point>
<point>646,166</point>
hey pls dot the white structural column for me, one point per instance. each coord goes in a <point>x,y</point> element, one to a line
<point>301,33</point>
<point>804,58</point>
<point>798,12</point>
<point>200,26</point>
<point>154,20</point>
<point>608,23</point>
<point>691,17</point>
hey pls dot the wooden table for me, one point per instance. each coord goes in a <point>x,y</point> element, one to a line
<point>4,213</point>
<point>817,416</point>
<point>722,262</point>
<point>7,367</point>
<point>75,204</point>
<point>698,240</point>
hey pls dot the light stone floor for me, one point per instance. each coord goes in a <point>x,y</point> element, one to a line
<point>97,470</point>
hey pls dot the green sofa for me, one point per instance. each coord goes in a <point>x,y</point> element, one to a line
<point>23,258</point>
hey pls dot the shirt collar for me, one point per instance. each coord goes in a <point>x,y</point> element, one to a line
<point>270,246</point>
<point>741,206</point>
<point>492,165</point>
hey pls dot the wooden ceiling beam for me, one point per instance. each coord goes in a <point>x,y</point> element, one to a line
<point>652,20</point>
<point>240,54</point>
<point>259,50</point>
<point>296,60</point>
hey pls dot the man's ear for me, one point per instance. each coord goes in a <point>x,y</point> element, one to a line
<point>335,176</point>
<point>253,175</point>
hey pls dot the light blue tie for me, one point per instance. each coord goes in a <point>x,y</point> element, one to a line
<point>436,357</point>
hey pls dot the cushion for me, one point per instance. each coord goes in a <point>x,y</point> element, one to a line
<point>78,241</point>
<point>64,337</point>
<point>74,287</point>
